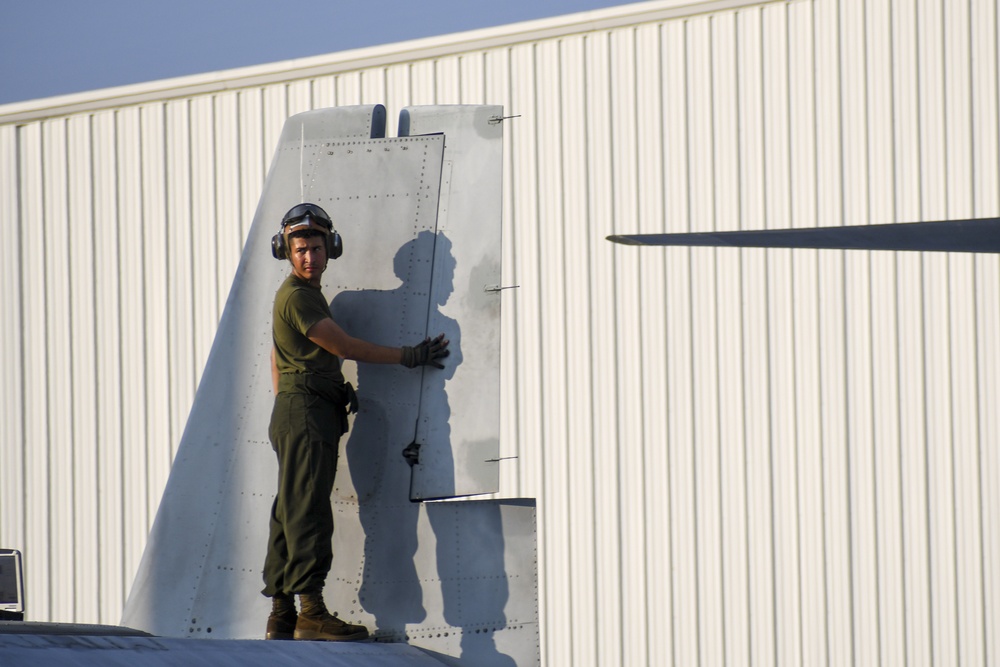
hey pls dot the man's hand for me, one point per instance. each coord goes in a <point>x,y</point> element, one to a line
<point>426,353</point>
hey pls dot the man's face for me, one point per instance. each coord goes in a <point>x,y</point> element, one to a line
<point>308,256</point>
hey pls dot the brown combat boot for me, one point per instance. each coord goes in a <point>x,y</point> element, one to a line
<point>316,623</point>
<point>281,622</point>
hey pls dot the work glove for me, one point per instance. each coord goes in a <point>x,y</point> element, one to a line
<point>426,353</point>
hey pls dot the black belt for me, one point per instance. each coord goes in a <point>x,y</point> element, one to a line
<point>339,393</point>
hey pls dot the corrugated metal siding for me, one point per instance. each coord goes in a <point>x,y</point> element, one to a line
<point>756,456</point>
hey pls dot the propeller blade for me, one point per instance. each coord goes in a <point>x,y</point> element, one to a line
<point>977,235</point>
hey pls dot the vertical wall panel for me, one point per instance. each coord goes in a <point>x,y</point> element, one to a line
<point>704,312</point>
<point>966,451</point>
<point>471,80</point>
<point>129,235</point>
<point>274,112</point>
<point>324,94</point>
<point>601,417</point>
<point>987,323</point>
<point>912,377</point>
<point>653,352</point>
<point>78,256</point>
<point>349,88</point>
<point>803,158</point>
<point>940,474</point>
<point>679,443</point>
<point>986,175</point>
<point>580,496</point>
<point>397,91</point>
<point>204,239</point>
<point>527,271</point>
<point>13,490</point>
<point>498,89</point>
<point>58,328</point>
<point>448,88</point>
<point>832,380</point>
<point>36,540</point>
<point>858,331</point>
<point>765,456</point>
<point>298,94</point>
<point>254,160</point>
<point>54,332</point>
<point>735,625</point>
<point>186,275</point>
<point>760,545</point>
<point>373,86</point>
<point>112,574</point>
<point>885,390</point>
<point>155,222</point>
<point>627,374</point>
<point>549,120</point>
<point>228,209</point>
<point>780,314</point>
<point>526,316</point>
<point>423,79</point>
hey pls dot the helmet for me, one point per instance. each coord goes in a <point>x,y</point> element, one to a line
<point>306,216</point>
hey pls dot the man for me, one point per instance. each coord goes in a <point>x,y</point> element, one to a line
<point>308,419</point>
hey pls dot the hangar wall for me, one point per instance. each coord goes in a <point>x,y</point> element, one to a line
<point>766,456</point>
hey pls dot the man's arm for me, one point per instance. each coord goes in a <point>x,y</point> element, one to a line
<point>274,370</point>
<point>327,334</point>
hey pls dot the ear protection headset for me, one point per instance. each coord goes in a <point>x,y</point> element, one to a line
<point>299,214</point>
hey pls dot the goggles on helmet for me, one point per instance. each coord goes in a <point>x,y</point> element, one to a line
<point>304,215</point>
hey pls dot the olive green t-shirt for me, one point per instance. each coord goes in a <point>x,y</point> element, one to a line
<point>297,307</point>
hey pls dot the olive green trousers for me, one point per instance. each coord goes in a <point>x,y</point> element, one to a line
<point>305,431</point>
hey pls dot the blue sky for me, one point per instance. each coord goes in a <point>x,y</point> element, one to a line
<point>55,47</point>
